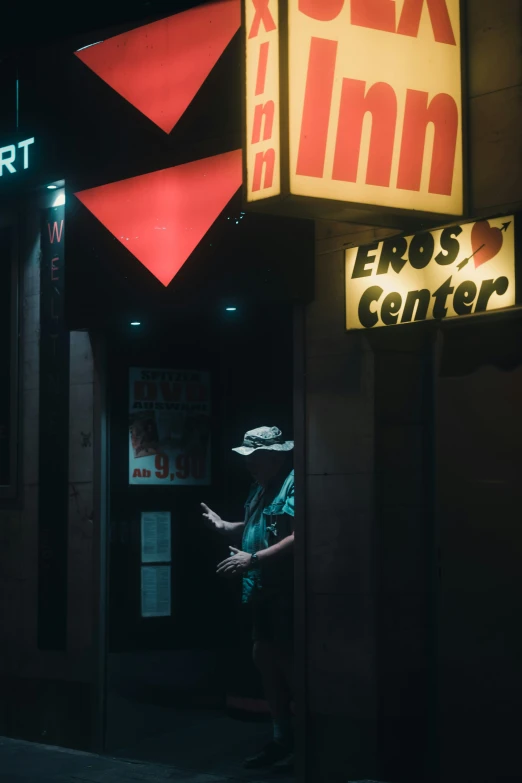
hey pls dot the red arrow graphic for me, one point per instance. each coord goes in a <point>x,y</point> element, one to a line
<point>160,67</point>
<point>491,242</point>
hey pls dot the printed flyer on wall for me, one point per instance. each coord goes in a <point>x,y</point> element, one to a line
<point>169,427</point>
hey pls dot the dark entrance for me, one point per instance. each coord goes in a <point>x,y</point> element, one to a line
<point>181,689</point>
<point>173,682</point>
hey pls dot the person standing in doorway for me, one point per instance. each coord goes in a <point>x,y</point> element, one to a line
<point>265,564</point>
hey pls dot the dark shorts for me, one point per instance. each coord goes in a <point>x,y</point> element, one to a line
<point>273,621</point>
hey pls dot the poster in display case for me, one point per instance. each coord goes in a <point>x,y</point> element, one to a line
<point>169,427</point>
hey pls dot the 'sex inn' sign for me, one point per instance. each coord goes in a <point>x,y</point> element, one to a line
<point>353,105</point>
<point>460,270</point>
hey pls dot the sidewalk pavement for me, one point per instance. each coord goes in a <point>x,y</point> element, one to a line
<point>27,762</point>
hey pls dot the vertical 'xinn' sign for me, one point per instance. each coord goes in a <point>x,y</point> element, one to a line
<point>374,110</point>
<point>262,99</point>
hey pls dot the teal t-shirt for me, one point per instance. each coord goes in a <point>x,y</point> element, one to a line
<point>269,514</point>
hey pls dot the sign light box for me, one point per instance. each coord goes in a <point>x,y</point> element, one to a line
<point>460,270</point>
<point>353,108</point>
<point>15,158</point>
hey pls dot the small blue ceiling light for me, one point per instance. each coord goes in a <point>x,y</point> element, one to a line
<point>52,187</point>
<point>231,309</point>
<point>135,323</point>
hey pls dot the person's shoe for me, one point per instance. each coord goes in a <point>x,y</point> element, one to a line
<point>273,753</point>
<point>286,766</point>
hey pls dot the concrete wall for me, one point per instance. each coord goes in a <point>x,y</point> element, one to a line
<point>480,494</point>
<point>45,696</point>
<point>367,598</point>
<point>339,385</point>
<point>494,58</point>
<point>371,555</point>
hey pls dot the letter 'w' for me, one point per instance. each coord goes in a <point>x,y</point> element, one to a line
<point>55,232</point>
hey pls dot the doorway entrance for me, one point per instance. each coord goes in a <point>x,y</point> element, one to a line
<point>181,686</point>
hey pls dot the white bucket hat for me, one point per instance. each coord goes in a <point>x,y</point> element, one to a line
<point>266,438</point>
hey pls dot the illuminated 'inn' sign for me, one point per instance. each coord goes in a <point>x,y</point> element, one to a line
<point>459,270</point>
<point>371,112</point>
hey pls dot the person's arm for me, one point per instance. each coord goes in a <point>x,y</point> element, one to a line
<point>215,522</point>
<point>231,528</point>
<point>282,548</point>
<point>240,561</point>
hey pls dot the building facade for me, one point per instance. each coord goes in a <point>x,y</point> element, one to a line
<point>407,436</point>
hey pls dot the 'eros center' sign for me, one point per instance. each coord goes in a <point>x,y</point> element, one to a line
<point>461,270</point>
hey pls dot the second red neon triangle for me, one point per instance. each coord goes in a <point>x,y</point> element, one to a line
<point>161,217</point>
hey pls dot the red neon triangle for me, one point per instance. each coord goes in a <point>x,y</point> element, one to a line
<point>162,217</point>
<point>160,67</point>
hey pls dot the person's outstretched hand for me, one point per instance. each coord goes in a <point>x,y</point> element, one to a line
<point>236,564</point>
<point>213,520</point>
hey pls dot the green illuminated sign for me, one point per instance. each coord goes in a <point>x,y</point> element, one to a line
<point>15,157</point>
